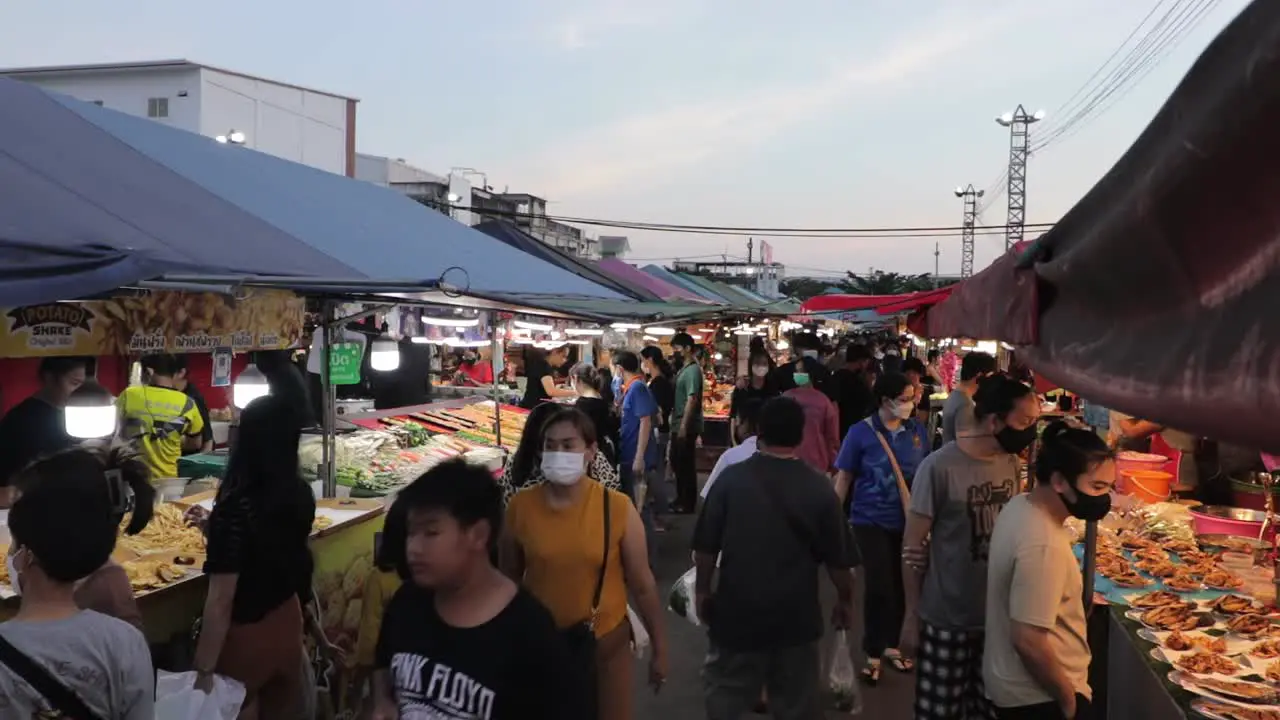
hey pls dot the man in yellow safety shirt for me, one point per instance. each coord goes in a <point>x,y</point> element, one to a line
<point>158,418</point>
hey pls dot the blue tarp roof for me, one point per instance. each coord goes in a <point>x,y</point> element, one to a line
<point>523,241</point>
<point>92,199</point>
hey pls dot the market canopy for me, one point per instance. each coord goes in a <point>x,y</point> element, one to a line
<point>635,277</point>
<point>92,199</point>
<point>882,304</point>
<point>523,241</point>
<point>1157,293</point>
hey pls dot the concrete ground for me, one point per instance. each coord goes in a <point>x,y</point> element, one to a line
<point>681,698</point>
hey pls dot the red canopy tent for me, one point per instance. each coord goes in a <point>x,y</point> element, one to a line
<point>883,304</point>
<point>1154,295</point>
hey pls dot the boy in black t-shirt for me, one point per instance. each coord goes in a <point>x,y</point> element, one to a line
<point>459,639</point>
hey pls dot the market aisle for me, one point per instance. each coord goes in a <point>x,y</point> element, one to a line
<point>681,699</point>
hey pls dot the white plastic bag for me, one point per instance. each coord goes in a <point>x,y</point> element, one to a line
<point>639,636</point>
<point>178,699</point>
<point>682,600</point>
<point>840,677</point>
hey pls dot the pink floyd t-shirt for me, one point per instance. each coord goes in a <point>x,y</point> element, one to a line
<point>514,666</point>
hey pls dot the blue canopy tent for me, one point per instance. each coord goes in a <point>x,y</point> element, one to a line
<point>92,200</point>
<point>523,241</point>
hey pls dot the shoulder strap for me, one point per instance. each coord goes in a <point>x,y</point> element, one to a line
<point>604,563</point>
<point>903,491</point>
<point>59,696</point>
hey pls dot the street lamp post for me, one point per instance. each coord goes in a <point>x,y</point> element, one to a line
<point>233,137</point>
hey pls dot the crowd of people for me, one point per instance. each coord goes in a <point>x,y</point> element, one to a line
<point>524,597</point>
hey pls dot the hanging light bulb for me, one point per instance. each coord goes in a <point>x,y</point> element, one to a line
<point>90,412</point>
<point>249,386</point>
<point>384,354</point>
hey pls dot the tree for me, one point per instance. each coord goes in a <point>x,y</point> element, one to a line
<point>879,282</point>
<point>803,288</point>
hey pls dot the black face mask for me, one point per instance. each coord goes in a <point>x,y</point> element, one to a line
<point>1087,507</point>
<point>1015,441</point>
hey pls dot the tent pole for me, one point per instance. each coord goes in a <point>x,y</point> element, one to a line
<point>329,407</point>
<point>495,347</point>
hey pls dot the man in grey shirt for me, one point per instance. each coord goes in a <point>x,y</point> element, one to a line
<point>957,413</point>
<point>956,496</point>
<point>64,527</point>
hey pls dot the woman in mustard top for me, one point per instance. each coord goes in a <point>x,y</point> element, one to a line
<point>554,545</point>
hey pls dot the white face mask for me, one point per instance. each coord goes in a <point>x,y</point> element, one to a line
<point>563,468</point>
<point>760,370</point>
<point>903,410</point>
<point>14,578</point>
<point>879,355</point>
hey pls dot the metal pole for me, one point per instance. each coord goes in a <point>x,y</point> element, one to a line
<point>970,197</point>
<point>330,405</point>
<point>1090,561</point>
<point>1019,124</point>
<point>495,347</point>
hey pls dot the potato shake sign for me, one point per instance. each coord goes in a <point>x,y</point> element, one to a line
<point>57,326</point>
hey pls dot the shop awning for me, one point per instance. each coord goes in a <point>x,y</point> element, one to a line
<point>92,199</point>
<point>1157,293</point>
<point>523,241</point>
<point>633,276</point>
<point>882,304</point>
<point>998,302</point>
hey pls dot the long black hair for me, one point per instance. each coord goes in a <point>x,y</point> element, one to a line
<point>263,465</point>
<point>653,354</point>
<point>529,452</point>
<point>997,395</point>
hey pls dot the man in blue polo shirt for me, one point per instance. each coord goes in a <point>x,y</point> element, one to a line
<point>638,440</point>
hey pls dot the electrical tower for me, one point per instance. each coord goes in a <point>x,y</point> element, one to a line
<point>1019,123</point>
<point>970,197</point>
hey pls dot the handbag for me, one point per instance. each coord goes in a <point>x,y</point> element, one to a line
<point>580,638</point>
<point>904,493</point>
<point>59,696</point>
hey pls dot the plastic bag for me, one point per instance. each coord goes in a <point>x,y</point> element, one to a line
<point>178,699</point>
<point>639,636</point>
<point>840,677</point>
<point>682,601</point>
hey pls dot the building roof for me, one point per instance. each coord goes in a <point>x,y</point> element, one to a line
<point>146,65</point>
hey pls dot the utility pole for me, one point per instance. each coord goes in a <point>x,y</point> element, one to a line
<point>937,253</point>
<point>1019,123</point>
<point>970,197</point>
<point>750,243</point>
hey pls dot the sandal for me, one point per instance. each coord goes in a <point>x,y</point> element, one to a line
<point>901,664</point>
<point>871,673</point>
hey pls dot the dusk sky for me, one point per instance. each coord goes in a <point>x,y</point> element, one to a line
<point>808,113</point>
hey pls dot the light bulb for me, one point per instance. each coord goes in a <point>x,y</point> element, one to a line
<point>90,412</point>
<point>249,386</point>
<point>384,354</point>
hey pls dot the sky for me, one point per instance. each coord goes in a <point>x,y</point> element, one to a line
<point>742,113</point>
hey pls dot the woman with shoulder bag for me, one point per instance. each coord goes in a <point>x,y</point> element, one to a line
<point>579,548</point>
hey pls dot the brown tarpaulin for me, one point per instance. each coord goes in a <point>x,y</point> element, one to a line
<point>1159,292</point>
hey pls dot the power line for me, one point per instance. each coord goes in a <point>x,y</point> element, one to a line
<point>867,232</point>
<point>1167,33</point>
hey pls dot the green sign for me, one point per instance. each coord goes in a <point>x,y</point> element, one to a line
<point>344,363</point>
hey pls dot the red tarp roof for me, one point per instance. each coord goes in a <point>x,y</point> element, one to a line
<point>883,304</point>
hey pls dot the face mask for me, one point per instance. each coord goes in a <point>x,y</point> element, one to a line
<point>760,370</point>
<point>1015,441</point>
<point>14,578</point>
<point>879,355</point>
<point>801,378</point>
<point>809,354</point>
<point>563,468</point>
<point>1088,507</point>
<point>903,410</point>
<point>468,358</point>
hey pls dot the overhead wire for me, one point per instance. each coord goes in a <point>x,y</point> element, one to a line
<point>1172,29</point>
<point>759,231</point>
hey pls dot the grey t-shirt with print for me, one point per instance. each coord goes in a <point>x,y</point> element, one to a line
<point>957,414</point>
<point>104,661</point>
<point>963,495</point>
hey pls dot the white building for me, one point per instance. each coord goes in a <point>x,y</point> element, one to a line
<point>307,126</point>
<point>451,194</point>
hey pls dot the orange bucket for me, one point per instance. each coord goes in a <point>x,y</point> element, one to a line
<point>1152,486</point>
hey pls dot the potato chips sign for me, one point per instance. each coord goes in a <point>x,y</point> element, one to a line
<point>173,322</point>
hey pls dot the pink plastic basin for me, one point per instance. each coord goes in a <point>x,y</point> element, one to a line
<point>1224,520</point>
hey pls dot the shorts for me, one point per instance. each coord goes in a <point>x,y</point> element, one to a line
<point>949,675</point>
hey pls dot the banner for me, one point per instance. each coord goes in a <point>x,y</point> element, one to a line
<point>174,322</point>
